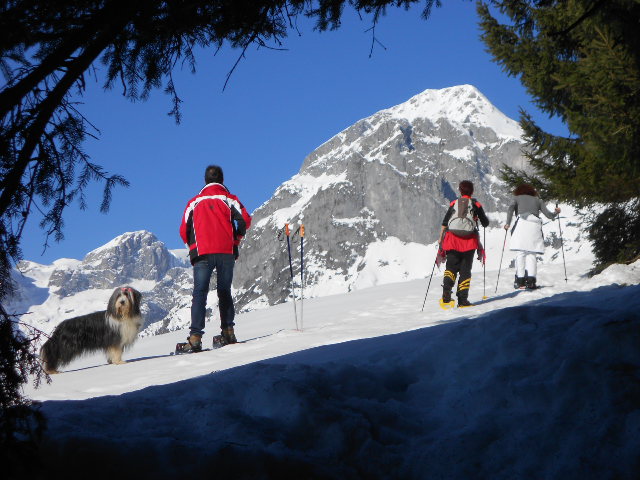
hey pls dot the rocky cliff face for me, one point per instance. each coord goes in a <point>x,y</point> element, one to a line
<point>135,255</point>
<point>389,176</point>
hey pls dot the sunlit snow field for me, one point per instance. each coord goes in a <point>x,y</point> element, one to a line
<point>526,384</point>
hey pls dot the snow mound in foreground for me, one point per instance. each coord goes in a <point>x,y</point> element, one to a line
<point>545,389</point>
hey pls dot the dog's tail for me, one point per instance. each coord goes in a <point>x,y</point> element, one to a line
<point>49,358</point>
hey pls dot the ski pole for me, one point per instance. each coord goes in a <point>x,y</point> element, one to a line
<point>562,247</point>
<point>293,290</point>
<point>301,274</point>
<point>500,266</point>
<point>430,278</point>
<point>484,261</point>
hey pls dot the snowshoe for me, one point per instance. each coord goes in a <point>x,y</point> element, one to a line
<point>447,305</point>
<point>219,341</point>
<point>445,302</point>
<point>192,345</point>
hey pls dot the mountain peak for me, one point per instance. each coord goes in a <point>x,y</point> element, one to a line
<point>134,239</point>
<point>462,105</point>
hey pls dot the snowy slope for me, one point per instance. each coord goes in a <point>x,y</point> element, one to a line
<point>539,384</point>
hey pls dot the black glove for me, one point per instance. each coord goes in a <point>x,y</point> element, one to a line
<point>236,252</point>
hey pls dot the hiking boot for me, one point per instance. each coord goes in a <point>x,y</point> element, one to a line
<point>228,335</point>
<point>446,295</point>
<point>519,283</point>
<point>192,345</point>
<point>530,283</point>
<point>463,302</point>
<point>463,298</point>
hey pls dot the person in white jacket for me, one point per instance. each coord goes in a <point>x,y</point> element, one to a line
<point>526,234</point>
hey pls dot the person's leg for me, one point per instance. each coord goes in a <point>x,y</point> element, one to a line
<point>531,264</point>
<point>224,273</point>
<point>464,280</point>
<point>532,267</point>
<point>521,264</point>
<point>202,270</point>
<point>449,280</point>
<point>520,269</point>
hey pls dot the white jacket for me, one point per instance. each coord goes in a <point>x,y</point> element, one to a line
<point>527,235</point>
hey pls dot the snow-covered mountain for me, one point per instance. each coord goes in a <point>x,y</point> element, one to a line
<point>371,199</point>
<point>68,288</point>
<point>382,184</point>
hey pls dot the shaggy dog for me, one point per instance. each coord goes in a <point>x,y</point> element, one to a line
<point>111,331</point>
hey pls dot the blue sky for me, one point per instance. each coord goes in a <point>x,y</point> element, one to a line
<point>277,108</point>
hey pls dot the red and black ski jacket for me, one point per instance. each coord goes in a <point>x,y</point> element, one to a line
<point>214,221</point>
<point>454,242</point>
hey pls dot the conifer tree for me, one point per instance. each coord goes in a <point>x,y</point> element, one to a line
<point>47,50</point>
<point>580,61</point>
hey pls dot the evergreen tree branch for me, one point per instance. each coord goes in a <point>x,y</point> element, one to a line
<point>596,5</point>
<point>11,182</point>
<point>72,41</point>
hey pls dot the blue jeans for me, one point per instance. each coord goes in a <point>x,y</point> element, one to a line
<point>223,264</point>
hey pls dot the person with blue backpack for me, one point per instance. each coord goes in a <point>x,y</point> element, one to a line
<point>459,239</point>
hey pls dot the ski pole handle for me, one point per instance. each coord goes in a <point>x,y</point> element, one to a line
<point>557,212</point>
<point>299,231</point>
<point>286,229</point>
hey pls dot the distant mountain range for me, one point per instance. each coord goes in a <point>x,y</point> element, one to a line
<point>371,199</point>
<point>68,288</point>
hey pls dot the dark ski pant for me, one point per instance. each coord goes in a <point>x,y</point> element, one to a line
<point>458,262</point>
<point>223,264</point>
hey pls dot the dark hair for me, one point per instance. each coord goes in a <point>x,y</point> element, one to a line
<point>466,187</point>
<point>525,189</point>
<point>213,174</point>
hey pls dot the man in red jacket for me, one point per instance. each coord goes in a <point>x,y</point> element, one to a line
<point>212,227</point>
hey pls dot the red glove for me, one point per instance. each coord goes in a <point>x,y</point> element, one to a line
<point>441,257</point>
<point>482,255</point>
